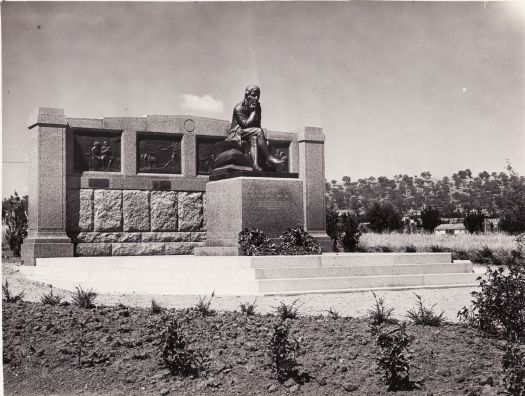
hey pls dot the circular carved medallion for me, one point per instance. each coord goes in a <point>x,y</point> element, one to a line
<point>189,125</point>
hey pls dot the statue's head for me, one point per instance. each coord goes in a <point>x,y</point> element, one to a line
<point>252,93</point>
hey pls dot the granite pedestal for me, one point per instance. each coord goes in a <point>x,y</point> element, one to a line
<point>268,204</point>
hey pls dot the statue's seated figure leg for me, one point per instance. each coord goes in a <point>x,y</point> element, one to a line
<point>258,142</point>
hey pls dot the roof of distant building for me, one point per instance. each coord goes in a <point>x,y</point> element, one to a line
<point>455,226</point>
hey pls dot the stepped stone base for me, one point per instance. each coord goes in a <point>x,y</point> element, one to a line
<point>243,275</point>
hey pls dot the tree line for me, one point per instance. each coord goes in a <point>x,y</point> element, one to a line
<point>464,195</point>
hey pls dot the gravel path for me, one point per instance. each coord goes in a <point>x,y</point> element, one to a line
<point>449,300</point>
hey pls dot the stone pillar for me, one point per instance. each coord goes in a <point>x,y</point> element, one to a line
<point>128,154</point>
<point>311,171</point>
<point>189,155</point>
<point>47,189</point>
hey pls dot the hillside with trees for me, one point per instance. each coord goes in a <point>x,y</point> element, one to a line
<point>495,195</point>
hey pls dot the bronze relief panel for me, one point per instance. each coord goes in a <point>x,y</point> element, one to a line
<point>158,154</point>
<point>97,151</point>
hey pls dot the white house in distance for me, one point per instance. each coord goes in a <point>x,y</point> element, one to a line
<point>450,229</point>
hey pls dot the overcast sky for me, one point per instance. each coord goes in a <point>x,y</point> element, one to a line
<point>397,87</point>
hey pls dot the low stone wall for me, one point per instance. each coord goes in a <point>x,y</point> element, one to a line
<point>136,222</point>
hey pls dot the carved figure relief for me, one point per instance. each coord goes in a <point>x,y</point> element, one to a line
<point>97,151</point>
<point>159,154</point>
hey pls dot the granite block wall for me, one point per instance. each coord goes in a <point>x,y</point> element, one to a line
<point>136,222</point>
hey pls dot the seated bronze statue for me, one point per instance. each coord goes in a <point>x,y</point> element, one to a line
<point>246,126</point>
<point>246,140</point>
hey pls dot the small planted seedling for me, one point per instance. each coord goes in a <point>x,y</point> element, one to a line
<point>8,295</point>
<point>50,298</point>
<point>248,308</point>
<point>425,316</point>
<point>394,358</point>
<point>283,349</point>
<point>288,311</point>
<point>176,354</point>
<point>84,298</point>
<point>155,308</point>
<point>204,304</point>
<point>333,313</point>
<point>380,313</point>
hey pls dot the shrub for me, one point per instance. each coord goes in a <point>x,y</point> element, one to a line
<point>176,355</point>
<point>14,216</point>
<point>203,305</point>
<point>9,296</point>
<point>255,243</point>
<point>425,316</point>
<point>460,255</point>
<point>384,217</point>
<point>333,226</point>
<point>296,241</point>
<point>514,369</point>
<point>499,307</point>
<point>430,218</point>
<point>50,298</point>
<point>283,350</point>
<point>156,308</point>
<point>84,298</point>
<point>290,311</point>
<point>394,359</point>
<point>350,233</point>
<point>483,256</point>
<point>474,222</point>
<point>438,249</point>
<point>380,314</point>
<point>248,308</point>
<point>410,249</point>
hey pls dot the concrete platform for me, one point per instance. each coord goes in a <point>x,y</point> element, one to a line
<point>242,275</point>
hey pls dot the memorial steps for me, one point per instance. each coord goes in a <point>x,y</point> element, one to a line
<point>244,275</point>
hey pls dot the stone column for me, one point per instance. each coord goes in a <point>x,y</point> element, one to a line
<point>128,154</point>
<point>47,190</point>
<point>189,155</point>
<point>311,171</point>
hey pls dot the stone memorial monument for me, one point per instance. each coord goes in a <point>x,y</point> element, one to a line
<point>164,185</point>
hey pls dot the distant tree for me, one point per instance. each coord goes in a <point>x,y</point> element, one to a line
<point>513,204</point>
<point>384,217</point>
<point>430,218</point>
<point>14,216</point>
<point>474,222</point>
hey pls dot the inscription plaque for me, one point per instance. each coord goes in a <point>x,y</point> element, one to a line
<point>97,151</point>
<point>159,154</point>
<point>161,185</point>
<point>98,183</point>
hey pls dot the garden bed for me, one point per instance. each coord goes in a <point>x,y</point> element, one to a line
<point>121,347</point>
